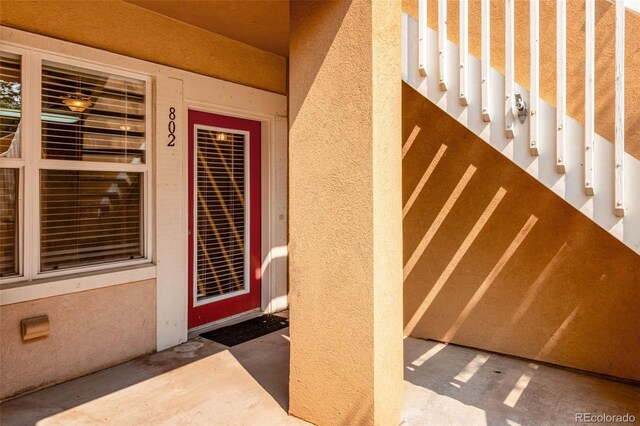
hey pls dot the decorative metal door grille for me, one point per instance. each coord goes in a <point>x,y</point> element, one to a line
<point>220,214</point>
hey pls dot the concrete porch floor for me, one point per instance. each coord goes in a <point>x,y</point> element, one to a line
<point>202,382</point>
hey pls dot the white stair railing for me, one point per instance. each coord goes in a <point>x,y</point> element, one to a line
<point>589,178</point>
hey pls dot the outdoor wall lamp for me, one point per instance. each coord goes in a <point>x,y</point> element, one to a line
<point>34,328</point>
<point>77,102</point>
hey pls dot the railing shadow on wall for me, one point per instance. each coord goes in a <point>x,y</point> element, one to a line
<point>494,260</point>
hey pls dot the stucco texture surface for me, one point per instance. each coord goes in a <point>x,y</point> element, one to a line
<point>89,331</point>
<point>494,260</point>
<point>130,30</point>
<point>604,51</point>
<point>344,219</point>
<point>260,23</point>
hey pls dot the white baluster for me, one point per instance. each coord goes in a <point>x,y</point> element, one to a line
<point>442,42</point>
<point>422,37</point>
<point>464,52</point>
<point>534,85</point>
<point>589,98</point>
<point>561,93</point>
<point>619,119</point>
<point>486,62</point>
<point>509,122</point>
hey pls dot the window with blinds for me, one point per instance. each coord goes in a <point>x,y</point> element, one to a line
<point>91,116</point>
<point>10,105</point>
<point>8,222</point>
<point>75,194</point>
<point>221,213</point>
<point>89,217</point>
<point>10,151</point>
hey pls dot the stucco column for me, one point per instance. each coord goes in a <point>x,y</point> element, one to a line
<point>345,212</point>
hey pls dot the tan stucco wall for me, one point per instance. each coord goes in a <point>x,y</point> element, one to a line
<point>344,213</point>
<point>605,53</point>
<point>568,294</point>
<point>130,30</point>
<point>90,331</point>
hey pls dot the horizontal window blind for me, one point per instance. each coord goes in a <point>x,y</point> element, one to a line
<point>10,115</point>
<point>220,245</point>
<point>89,217</point>
<point>92,116</point>
<point>10,104</point>
<point>8,222</point>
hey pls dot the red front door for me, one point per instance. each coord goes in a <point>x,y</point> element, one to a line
<point>224,217</point>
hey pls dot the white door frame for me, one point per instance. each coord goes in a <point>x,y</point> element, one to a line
<point>273,298</point>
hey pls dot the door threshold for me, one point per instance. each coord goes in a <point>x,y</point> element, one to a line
<point>196,331</point>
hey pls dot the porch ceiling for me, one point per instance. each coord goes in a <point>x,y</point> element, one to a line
<point>260,23</point>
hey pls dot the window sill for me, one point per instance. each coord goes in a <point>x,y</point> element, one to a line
<point>49,287</point>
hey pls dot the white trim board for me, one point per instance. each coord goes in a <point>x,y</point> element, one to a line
<point>174,88</point>
<point>569,186</point>
<point>41,288</point>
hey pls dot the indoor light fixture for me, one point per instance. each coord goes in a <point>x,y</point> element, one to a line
<point>77,102</point>
<point>125,127</point>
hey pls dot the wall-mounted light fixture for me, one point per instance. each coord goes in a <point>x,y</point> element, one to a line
<point>77,102</point>
<point>35,327</point>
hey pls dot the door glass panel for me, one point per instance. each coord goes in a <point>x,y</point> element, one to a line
<point>220,214</point>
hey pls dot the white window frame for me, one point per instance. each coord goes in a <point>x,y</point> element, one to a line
<point>19,164</point>
<point>31,163</point>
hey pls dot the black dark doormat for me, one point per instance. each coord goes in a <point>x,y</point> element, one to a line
<point>248,330</point>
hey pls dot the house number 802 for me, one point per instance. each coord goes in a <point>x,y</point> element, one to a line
<point>172,127</point>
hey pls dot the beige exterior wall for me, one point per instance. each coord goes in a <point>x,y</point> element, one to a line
<point>344,213</point>
<point>604,48</point>
<point>260,23</point>
<point>89,331</point>
<point>512,268</point>
<point>133,31</point>
<point>94,329</point>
